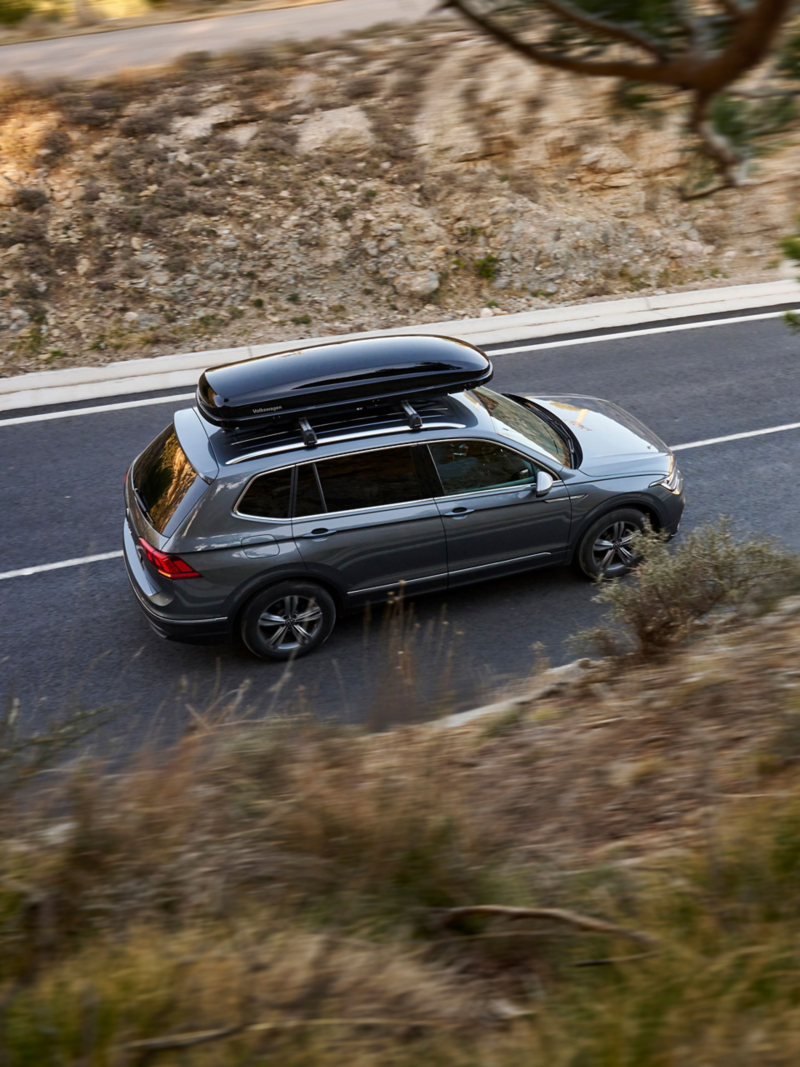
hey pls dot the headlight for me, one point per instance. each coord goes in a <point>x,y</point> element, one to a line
<point>673,480</point>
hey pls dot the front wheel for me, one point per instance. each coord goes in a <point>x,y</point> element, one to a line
<point>605,550</point>
<point>288,621</point>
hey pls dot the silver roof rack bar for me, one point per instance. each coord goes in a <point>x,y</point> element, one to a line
<point>297,446</point>
<point>414,418</point>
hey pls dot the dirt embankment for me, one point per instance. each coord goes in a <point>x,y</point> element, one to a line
<point>399,176</point>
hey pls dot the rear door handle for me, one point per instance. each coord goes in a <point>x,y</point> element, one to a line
<point>321,532</point>
<point>458,513</point>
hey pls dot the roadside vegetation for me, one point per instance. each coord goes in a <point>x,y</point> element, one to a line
<point>607,874</point>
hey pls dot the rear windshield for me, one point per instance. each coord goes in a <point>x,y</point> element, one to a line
<point>162,477</point>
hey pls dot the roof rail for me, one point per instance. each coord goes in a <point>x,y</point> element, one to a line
<point>365,421</point>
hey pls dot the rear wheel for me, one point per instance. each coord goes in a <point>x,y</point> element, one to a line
<point>606,549</point>
<point>288,621</point>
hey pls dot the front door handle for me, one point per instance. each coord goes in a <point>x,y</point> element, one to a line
<point>458,513</point>
<point>322,531</point>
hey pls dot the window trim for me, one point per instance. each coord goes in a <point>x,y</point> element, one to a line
<point>266,518</point>
<point>318,515</point>
<point>496,490</point>
<point>372,507</point>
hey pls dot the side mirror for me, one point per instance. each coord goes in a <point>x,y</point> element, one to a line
<point>544,483</point>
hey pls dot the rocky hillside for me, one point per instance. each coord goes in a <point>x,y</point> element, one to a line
<point>401,176</point>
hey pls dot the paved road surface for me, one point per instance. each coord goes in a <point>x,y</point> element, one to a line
<point>95,54</point>
<point>75,636</point>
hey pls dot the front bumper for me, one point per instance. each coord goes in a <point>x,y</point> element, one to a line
<point>154,603</point>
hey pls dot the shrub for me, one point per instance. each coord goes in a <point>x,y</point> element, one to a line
<point>100,109</point>
<point>56,143</point>
<point>13,12</point>
<point>487,267</point>
<point>142,123</point>
<point>30,198</point>
<point>672,590</point>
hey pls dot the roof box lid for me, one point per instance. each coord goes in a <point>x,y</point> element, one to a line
<point>302,381</point>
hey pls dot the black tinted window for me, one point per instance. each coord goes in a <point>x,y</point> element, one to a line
<point>268,496</point>
<point>161,477</point>
<point>309,501</point>
<point>369,479</point>
<point>470,466</point>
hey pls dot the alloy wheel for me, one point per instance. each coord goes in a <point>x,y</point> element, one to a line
<point>612,552</point>
<point>290,623</point>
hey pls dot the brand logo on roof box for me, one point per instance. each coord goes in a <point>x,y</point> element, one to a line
<point>262,411</point>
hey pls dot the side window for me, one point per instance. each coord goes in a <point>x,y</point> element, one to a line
<point>268,496</point>
<point>472,466</point>
<point>370,479</point>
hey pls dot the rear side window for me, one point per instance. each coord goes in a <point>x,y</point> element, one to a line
<point>370,479</point>
<point>269,496</point>
<point>162,476</point>
<point>471,466</point>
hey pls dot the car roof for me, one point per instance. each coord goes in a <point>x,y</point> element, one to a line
<point>259,450</point>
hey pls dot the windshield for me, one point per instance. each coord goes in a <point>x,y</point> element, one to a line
<point>162,477</point>
<point>522,423</point>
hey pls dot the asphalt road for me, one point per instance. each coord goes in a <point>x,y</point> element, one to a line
<point>75,637</point>
<point>92,55</point>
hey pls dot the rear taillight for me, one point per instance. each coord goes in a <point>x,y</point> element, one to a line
<point>169,566</point>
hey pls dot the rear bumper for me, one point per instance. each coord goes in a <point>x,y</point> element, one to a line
<point>153,602</point>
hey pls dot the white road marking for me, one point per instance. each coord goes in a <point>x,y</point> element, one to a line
<point>636,333</point>
<point>538,346</point>
<point>25,571</point>
<point>48,415</point>
<point>737,436</point>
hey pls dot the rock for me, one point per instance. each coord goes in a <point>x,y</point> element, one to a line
<point>130,316</point>
<point>194,126</point>
<point>302,88</point>
<point>83,265</point>
<point>161,277</point>
<point>417,283</point>
<point>486,313</point>
<point>243,135</point>
<point>343,129</point>
<point>136,244</point>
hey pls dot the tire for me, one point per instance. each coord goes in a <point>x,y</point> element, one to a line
<point>288,620</point>
<point>604,550</point>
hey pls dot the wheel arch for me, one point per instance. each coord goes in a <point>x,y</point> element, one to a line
<point>258,585</point>
<point>647,507</point>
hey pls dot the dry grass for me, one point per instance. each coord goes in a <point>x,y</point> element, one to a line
<point>607,876</point>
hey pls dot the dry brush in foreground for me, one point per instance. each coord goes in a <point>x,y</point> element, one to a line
<point>609,876</point>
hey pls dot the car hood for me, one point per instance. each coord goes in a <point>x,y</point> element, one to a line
<point>611,439</point>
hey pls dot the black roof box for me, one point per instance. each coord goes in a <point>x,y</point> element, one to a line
<point>340,374</point>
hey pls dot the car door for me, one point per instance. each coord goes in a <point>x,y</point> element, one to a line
<point>368,521</point>
<point>493,518</point>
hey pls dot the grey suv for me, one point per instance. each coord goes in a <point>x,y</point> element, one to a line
<point>306,485</point>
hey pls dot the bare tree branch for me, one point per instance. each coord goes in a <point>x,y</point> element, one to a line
<point>203,1037</point>
<point>659,74</point>
<point>604,28</point>
<point>702,70</point>
<point>571,918</point>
